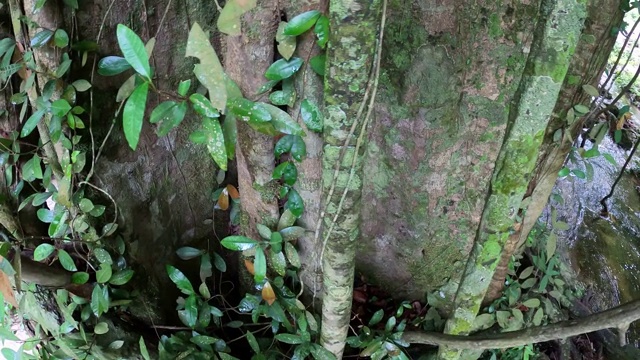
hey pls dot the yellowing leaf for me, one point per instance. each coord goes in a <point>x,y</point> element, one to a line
<point>209,72</point>
<point>249,265</point>
<point>268,294</point>
<point>223,200</point>
<point>622,120</point>
<point>233,192</point>
<point>6,289</point>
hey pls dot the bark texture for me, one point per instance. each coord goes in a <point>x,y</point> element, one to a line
<point>587,64</point>
<point>450,70</point>
<point>163,189</point>
<point>309,185</point>
<point>350,55</point>
<point>554,43</point>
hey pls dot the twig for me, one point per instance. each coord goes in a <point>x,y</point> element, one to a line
<point>603,202</point>
<point>613,318</point>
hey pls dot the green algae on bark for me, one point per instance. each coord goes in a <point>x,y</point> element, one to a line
<point>350,54</point>
<point>554,43</point>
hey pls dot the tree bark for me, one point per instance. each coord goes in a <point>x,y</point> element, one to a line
<point>554,43</point>
<point>350,57</point>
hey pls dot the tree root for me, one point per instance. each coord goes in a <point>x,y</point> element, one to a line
<point>619,317</point>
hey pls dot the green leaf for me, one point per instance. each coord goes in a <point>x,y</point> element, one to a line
<point>301,23</point>
<point>189,316</point>
<point>532,303</point>
<point>215,141</point>
<point>591,90</point>
<point>593,152</point>
<point>143,350</point>
<point>526,272</point>
<point>563,172</point>
<point>61,38</point>
<point>286,43</point>
<point>391,323</point>
<point>317,64</point>
<point>85,205</point>
<point>311,116</point>
<point>292,255</point>
<point>295,203</point>
<point>80,277</point>
<point>174,117</point>
<point>45,215</point>
<point>278,261</point>
<point>202,106</point>
<point>81,85</point>
<point>581,109</point>
<point>283,145</point>
<point>259,265</point>
<point>205,267</point>
<point>60,107</point>
<point>377,317</point>
<point>31,123</point>
<point>66,261</point>
<point>267,86</point>
<point>188,253</point>
<point>298,147</point>
<point>209,72</point>
<point>133,50</point>
<point>229,19</point>
<point>42,38</point>
<point>184,87</point>
<point>537,318</point>
<point>126,88</point>
<point>579,174</point>
<point>282,121</point>
<point>43,251</point>
<point>134,114</point>
<point>551,244</point>
<point>610,159</point>
<point>219,262</point>
<point>282,69</point>
<point>292,233</point>
<point>101,328</point>
<point>286,220</point>
<point>104,273</point>
<point>121,277</point>
<point>162,111</point>
<point>528,283</point>
<point>287,171</point>
<point>617,136</point>
<point>322,31</point>
<point>249,109</point>
<point>102,256</point>
<point>237,242</point>
<point>99,300</point>
<point>112,65</point>
<point>180,280</point>
<point>253,342</point>
<point>203,340</point>
<point>289,338</point>
<point>230,132</point>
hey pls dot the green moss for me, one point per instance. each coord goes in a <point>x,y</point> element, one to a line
<point>268,192</point>
<point>495,26</point>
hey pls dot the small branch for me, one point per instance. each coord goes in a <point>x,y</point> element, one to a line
<point>618,317</point>
<point>603,202</point>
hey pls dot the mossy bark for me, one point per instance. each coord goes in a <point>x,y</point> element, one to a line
<point>587,63</point>
<point>247,58</point>
<point>163,189</point>
<point>554,43</point>
<point>449,72</point>
<point>350,55</point>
